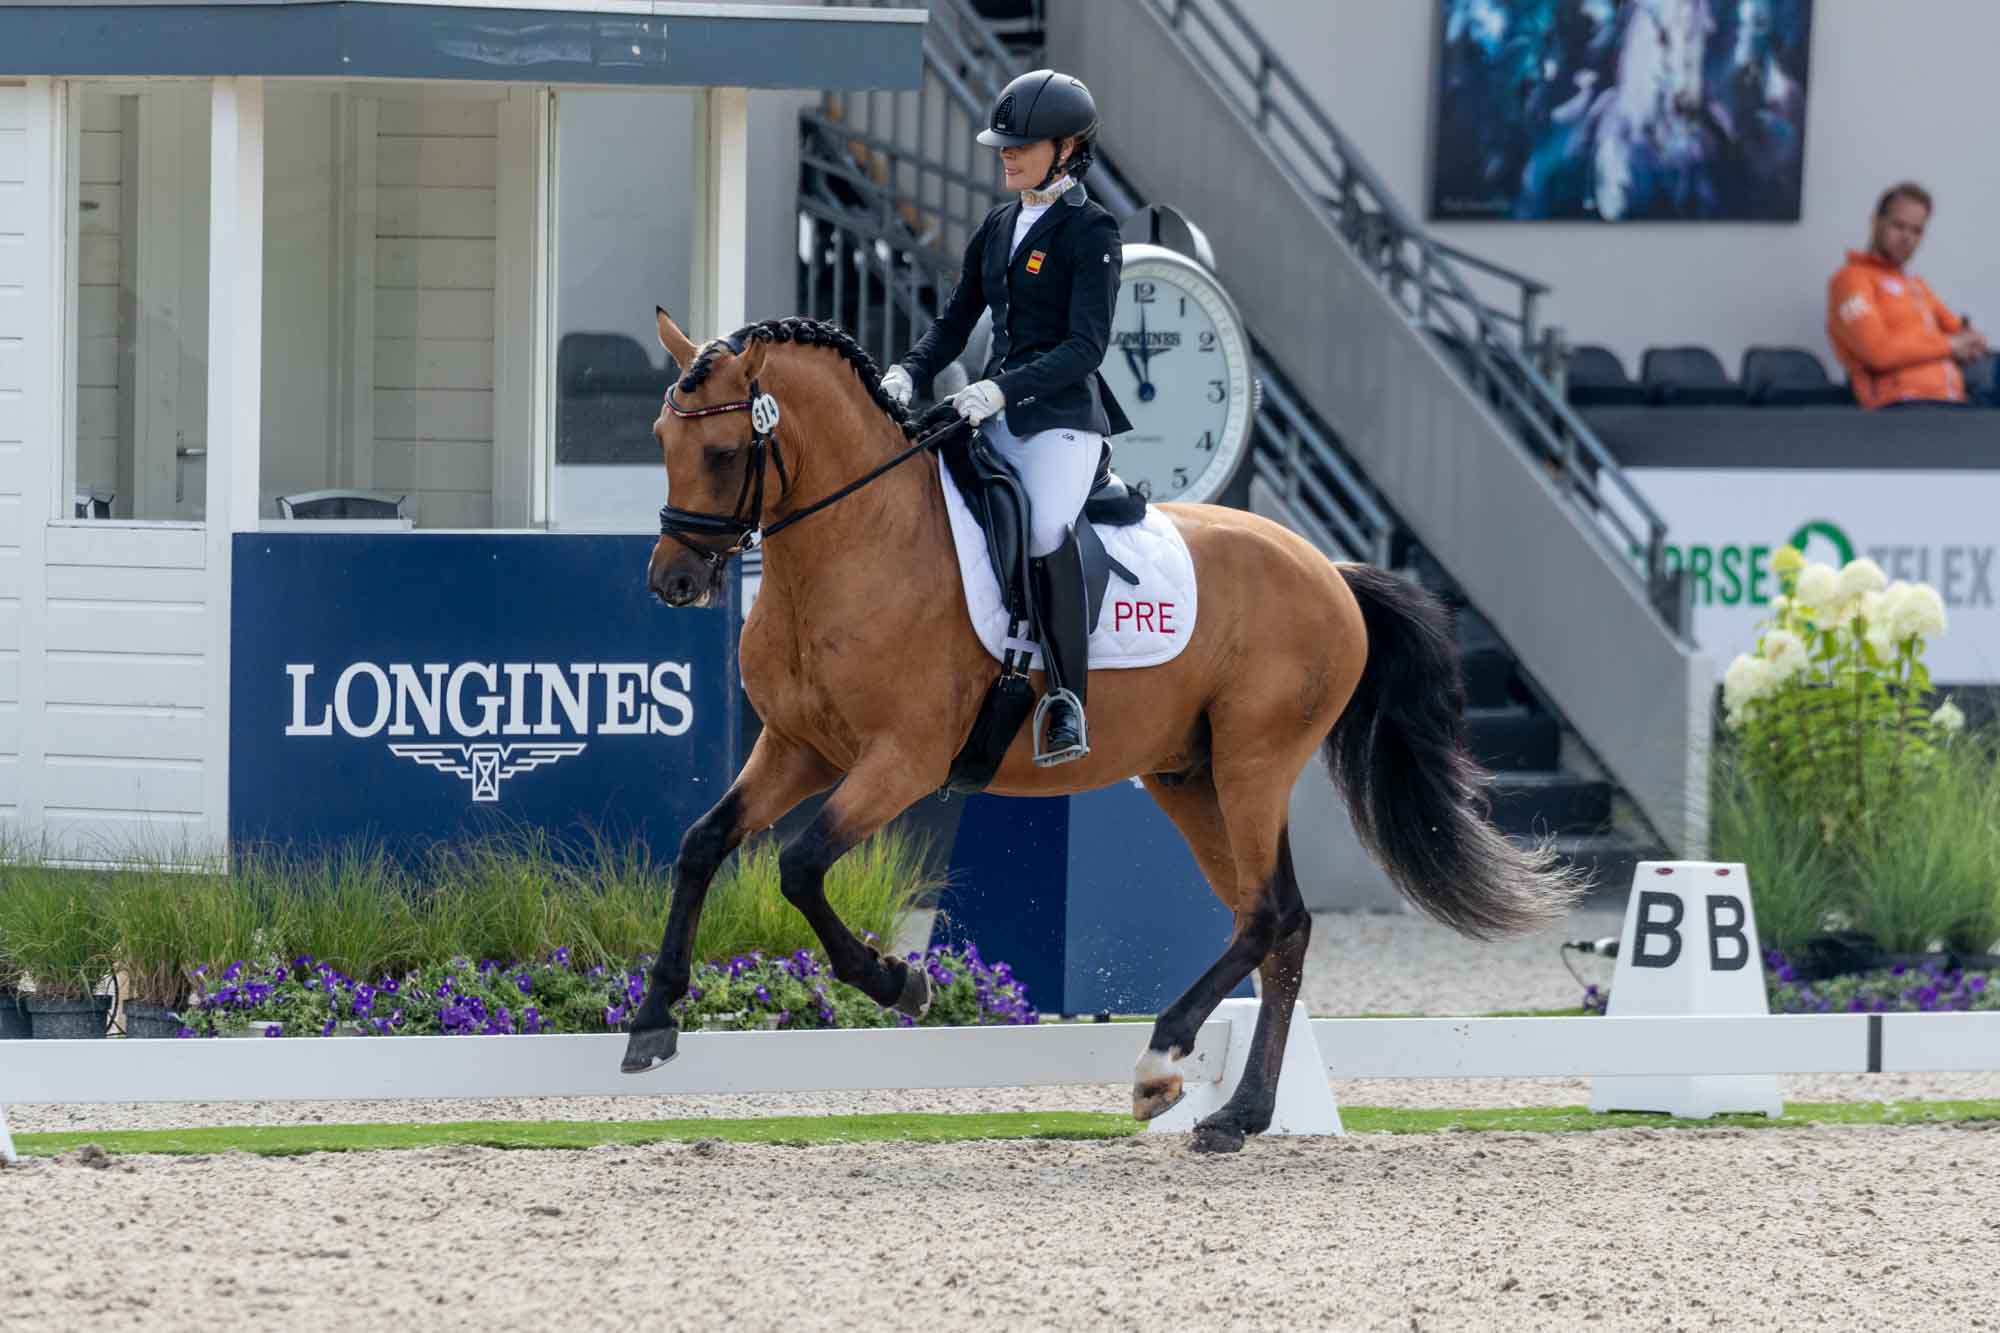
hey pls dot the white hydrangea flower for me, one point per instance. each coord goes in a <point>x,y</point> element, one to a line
<point>1916,608</point>
<point>1785,651</point>
<point>1879,640</point>
<point>1780,605</point>
<point>1871,606</point>
<point>1748,680</point>
<point>1948,718</point>
<point>1861,577</point>
<point>1818,586</point>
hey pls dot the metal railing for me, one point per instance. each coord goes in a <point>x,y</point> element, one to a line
<point>1498,344</point>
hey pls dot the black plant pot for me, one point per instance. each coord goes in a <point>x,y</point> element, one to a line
<point>150,1020</point>
<point>13,1018</point>
<point>65,1019</point>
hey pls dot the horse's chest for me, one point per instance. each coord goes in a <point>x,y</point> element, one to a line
<point>799,681</point>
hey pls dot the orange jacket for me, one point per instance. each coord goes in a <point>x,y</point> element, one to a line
<point>1892,334</point>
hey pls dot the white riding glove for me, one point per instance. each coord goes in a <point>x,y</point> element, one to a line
<point>896,383</point>
<point>976,402</point>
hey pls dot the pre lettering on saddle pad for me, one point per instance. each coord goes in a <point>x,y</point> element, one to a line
<point>1138,626</point>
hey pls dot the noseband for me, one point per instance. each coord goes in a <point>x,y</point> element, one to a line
<point>742,524</point>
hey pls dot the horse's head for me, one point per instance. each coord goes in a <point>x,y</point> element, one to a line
<point>723,465</point>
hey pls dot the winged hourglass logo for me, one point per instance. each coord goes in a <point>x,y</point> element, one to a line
<point>485,766</point>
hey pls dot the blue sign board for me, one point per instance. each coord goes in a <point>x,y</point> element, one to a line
<point>1093,899</point>
<point>414,688</point>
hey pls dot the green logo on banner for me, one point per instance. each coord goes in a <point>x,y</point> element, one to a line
<point>1820,527</point>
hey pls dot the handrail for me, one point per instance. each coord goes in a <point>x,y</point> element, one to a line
<point>1326,167</point>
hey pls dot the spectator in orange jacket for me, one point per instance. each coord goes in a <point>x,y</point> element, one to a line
<point>1899,343</point>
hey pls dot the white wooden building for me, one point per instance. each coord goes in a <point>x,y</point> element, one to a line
<point>402,251</point>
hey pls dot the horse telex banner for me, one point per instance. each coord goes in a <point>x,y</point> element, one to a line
<point>1621,110</point>
<point>414,689</point>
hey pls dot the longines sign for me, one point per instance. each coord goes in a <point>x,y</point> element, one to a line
<point>398,685</point>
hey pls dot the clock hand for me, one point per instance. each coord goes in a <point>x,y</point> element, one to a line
<point>1138,371</point>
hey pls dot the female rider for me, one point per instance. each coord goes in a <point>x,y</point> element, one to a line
<point>1047,267</point>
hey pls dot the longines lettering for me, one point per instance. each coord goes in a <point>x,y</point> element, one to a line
<point>475,699</point>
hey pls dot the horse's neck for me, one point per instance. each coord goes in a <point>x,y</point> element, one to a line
<point>868,550</point>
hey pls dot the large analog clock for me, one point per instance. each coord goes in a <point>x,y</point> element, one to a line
<point>1179,364</point>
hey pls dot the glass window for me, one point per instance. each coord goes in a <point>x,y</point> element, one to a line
<point>386,215</point>
<point>138,301</point>
<point>629,195</point>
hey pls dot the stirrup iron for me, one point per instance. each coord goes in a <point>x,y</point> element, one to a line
<point>1044,758</point>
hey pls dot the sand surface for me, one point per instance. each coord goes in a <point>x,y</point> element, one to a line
<point>1854,1228</point>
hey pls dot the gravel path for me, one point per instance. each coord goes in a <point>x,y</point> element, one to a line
<point>1383,963</point>
<point>1869,1228</point>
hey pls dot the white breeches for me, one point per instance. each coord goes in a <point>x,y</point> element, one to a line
<point>1056,467</point>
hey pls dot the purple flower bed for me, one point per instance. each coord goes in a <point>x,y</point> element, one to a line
<point>1930,988</point>
<point>308,998</point>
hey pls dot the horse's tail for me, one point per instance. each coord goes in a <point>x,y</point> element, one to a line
<point>1398,753</point>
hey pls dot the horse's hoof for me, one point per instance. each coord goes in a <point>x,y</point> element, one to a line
<point>649,1048</point>
<point>1217,1135</point>
<point>915,1000</point>
<point>1154,1097</point>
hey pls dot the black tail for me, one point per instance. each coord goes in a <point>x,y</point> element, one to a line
<point>1399,755</point>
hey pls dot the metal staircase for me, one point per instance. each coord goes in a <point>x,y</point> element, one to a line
<point>891,187</point>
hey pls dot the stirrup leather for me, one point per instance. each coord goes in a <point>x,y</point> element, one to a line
<point>1045,758</point>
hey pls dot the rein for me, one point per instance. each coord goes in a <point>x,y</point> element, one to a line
<point>741,524</point>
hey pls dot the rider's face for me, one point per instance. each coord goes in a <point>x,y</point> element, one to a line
<point>1027,166</point>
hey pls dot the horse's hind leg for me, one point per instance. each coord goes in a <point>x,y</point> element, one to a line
<point>1250,1107</point>
<point>1248,808</point>
<point>777,776</point>
<point>879,789</point>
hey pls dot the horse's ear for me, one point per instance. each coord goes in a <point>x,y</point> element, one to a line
<point>751,363</point>
<point>678,345</point>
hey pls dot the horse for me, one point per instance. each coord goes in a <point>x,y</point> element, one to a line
<point>862,664</point>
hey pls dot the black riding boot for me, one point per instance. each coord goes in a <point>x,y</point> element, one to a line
<point>1063,606</point>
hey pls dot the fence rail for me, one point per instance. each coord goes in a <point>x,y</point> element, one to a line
<point>713,1063</point>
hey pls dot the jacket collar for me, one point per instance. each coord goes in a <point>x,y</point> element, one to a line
<point>1044,224</point>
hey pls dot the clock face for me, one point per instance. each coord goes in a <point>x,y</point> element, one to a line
<point>1179,364</point>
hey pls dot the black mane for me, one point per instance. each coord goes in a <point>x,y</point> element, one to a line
<point>807,333</point>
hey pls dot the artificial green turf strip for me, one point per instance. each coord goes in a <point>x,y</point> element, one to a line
<point>291,1140</point>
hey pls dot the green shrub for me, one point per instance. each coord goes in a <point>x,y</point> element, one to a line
<point>1926,877</point>
<point>55,928</point>
<point>1797,881</point>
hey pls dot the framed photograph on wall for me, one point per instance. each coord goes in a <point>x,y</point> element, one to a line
<point>1620,110</point>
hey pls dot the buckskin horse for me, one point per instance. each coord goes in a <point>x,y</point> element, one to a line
<point>861,661</point>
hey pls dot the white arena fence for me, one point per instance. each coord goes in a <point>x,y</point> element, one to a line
<point>721,1063</point>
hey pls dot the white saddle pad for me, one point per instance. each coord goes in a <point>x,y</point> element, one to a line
<point>1138,626</point>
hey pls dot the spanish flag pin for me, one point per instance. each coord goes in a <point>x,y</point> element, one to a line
<point>1035,260</point>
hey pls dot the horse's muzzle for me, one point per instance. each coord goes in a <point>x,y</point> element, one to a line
<point>687,581</point>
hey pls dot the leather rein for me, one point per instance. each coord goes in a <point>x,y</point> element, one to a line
<point>741,524</point>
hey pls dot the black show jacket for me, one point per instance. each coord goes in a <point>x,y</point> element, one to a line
<point>1052,303</point>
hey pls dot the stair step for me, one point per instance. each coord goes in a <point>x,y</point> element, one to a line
<point>1532,803</point>
<point>1489,678</point>
<point>1513,739</point>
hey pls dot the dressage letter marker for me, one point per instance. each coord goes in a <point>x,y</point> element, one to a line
<point>1689,947</point>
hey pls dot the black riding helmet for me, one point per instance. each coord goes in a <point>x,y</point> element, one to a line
<point>1044,104</point>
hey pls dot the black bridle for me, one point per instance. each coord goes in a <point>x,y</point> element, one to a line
<point>743,526</point>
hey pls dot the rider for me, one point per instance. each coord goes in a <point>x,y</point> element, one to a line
<point>1047,266</point>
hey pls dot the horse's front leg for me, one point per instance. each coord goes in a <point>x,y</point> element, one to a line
<point>881,787</point>
<point>777,777</point>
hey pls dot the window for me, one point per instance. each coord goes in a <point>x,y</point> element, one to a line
<point>138,301</point>
<point>390,388</point>
<point>628,198</point>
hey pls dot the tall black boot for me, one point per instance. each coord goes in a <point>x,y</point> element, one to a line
<point>1062,607</point>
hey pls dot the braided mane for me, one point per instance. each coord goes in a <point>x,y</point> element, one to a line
<point>807,333</point>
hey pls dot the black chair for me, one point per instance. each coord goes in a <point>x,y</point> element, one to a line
<point>1597,379</point>
<point>1688,377</point>
<point>1790,377</point>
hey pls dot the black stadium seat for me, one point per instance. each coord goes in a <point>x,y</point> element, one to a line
<point>1790,377</point>
<point>1597,379</point>
<point>1688,377</point>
